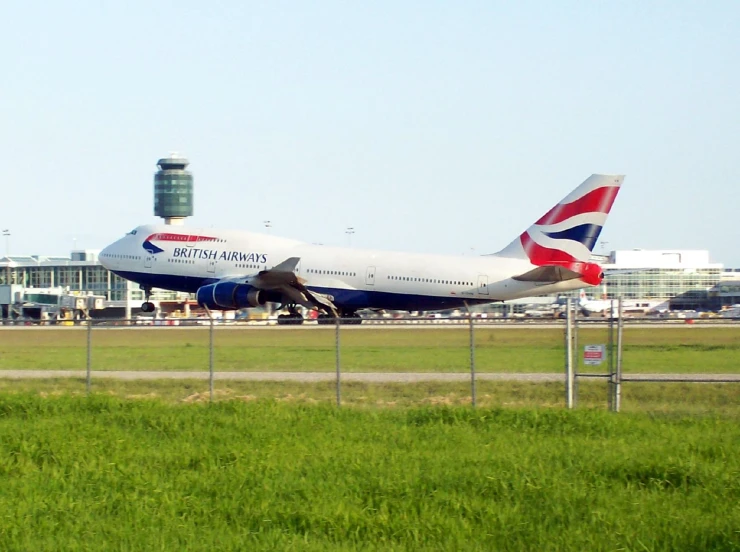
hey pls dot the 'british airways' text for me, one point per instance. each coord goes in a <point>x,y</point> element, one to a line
<point>214,254</point>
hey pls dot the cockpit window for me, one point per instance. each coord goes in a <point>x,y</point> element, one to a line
<point>132,233</point>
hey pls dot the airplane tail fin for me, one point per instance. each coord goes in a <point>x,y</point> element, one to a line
<point>567,233</point>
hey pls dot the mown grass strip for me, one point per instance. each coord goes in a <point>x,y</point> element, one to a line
<point>662,350</point>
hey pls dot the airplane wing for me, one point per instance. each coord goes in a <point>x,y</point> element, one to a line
<point>282,279</point>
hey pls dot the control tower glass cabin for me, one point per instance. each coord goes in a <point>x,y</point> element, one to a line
<point>173,190</point>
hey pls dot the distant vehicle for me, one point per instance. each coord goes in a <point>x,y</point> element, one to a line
<point>234,270</point>
<point>731,312</point>
<point>537,313</point>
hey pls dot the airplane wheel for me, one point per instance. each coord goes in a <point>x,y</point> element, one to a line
<point>285,319</point>
<point>147,307</point>
<point>351,318</point>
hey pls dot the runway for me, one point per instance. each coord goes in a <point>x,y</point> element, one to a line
<point>462,325</point>
<point>364,377</point>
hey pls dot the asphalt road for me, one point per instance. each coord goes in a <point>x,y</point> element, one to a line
<point>369,377</point>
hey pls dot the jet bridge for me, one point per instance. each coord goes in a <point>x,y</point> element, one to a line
<point>18,303</point>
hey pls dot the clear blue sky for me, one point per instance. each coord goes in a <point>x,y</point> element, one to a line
<point>427,126</point>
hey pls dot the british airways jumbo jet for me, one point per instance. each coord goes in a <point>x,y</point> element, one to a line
<point>229,269</point>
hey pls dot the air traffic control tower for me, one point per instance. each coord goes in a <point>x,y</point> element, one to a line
<point>173,190</point>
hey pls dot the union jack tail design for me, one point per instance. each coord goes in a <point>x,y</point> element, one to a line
<point>567,233</point>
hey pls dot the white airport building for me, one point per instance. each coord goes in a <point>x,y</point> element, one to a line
<point>40,287</point>
<point>685,277</point>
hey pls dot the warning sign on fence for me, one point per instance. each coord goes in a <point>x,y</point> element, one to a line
<point>593,355</point>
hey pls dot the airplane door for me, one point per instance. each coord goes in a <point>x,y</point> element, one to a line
<point>482,285</point>
<point>211,266</point>
<point>148,261</point>
<point>370,276</point>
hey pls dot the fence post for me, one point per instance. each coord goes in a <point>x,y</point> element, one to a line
<point>569,353</point>
<point>576,354</point>
<point>618,378</point>
<point>88,379</point>
<point>338,360</point>
<point>611,356</point>
<point>472,357</point>
<point>210,355</point>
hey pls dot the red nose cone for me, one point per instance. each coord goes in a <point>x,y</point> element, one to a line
<point>591,273</point>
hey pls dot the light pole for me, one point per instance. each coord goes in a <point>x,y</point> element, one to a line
<point>6,234</point>
<point>604,294</point>
<point>349,231</point>
<point>268,225</point>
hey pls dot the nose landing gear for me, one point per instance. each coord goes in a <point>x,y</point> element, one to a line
<point>147,305</point>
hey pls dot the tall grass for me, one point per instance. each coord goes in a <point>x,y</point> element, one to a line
<point>107,473</point>
<point>676,398</point>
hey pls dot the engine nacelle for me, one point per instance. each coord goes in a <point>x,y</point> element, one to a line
<point>256,297</point>
<point>230,295</point>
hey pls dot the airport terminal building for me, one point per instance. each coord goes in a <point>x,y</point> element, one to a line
<point>33,285</point>
<point>685,277</point>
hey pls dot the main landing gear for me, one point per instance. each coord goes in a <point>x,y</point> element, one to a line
<point>147,305</point>
<point>350,317</point>
<point>346,317</point>
<point>293,317</point>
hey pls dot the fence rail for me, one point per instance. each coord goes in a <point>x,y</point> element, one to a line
<point>366,322</point>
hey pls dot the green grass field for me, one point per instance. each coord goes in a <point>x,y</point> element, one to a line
<point>104,473</point>
<point>663,350</point>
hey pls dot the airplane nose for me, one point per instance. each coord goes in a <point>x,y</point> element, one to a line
<point>104,256</point>
<point>107,256</point>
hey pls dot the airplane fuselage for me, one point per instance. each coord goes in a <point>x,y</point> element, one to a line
<point>185,259</point>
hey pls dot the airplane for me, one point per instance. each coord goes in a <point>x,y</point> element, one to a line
<point>230,269</point>
<point>629,306</point>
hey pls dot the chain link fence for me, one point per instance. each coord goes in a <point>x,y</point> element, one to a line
<point>388,362</point>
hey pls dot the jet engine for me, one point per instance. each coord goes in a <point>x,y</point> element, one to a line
<point>230,295</point>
